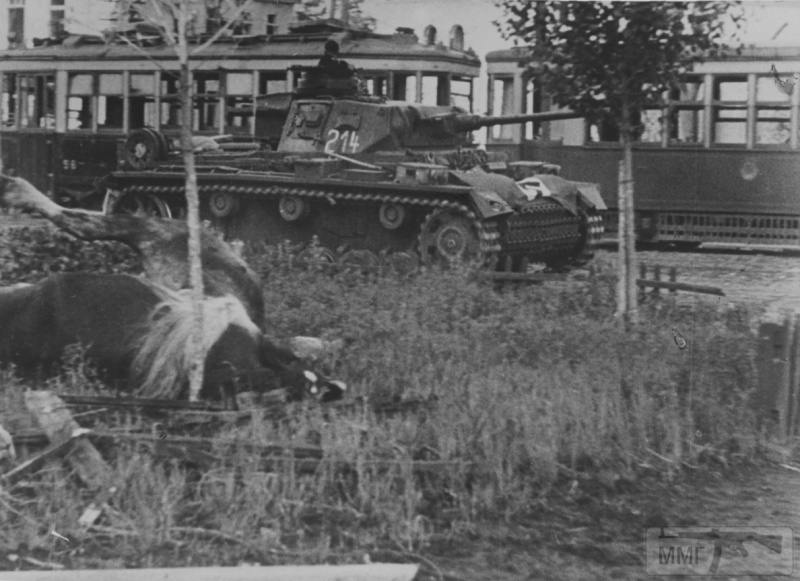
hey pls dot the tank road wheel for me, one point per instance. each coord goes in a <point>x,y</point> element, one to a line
<point>450,236</point>
<point>223,204</point>
<point>391,215</point>
<point>293,208</point>
<point>134,204</point>
<point>315,257</point>
<point>360,261</point>
<point>403,263</point>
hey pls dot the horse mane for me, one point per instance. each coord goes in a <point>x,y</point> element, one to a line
<point>160,367</point>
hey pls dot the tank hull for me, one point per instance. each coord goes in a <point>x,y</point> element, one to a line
<point>378,219</point>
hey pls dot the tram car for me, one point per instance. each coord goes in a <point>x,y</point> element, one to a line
<point>66,108</point>
<point>718,163</point>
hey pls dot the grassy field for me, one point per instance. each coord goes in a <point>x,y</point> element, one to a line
<point>539,394</point>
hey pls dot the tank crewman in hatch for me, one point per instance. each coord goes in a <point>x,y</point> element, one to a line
<point>332,64</point>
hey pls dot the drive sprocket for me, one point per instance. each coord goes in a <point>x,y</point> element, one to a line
<point>455,235</point>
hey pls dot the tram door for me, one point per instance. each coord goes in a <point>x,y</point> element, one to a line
<point>28,127</point>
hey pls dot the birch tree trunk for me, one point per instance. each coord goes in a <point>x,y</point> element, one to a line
<point>627,295</point>
<point>192,204</point>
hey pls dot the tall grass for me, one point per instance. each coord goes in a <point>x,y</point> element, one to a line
<point>530,384</point>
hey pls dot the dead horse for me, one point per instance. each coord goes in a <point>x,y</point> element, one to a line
<point>138,335</point>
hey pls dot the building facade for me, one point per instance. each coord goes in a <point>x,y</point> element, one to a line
<point>22,22</point>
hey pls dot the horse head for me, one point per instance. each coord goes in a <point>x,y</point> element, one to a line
<point>295,374</point>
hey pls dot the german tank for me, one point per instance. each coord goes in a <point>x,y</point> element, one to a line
<point>375,181</point>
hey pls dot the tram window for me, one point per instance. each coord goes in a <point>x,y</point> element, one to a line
<point>773,115</point>
<point>8,101</point>
<point>532,103</point>
<point>652,126</point>
<point>376,85</point>
<point>687,126</point>
<point>687,117</point>
<point>239,92</point>
<point>430,89</point>
<point>730,111</point>
<point>502,104</point>
<point>170,101</point>
<point>206,101</point>
<point>34,101</point>
<point>79,102</point>
<point>461,93</point>
<point>767,91</point>
<point>269,83</point>
<point>773,126</point>
<point>110,101</point>
<point>142,100</point>
<point>405,87</point>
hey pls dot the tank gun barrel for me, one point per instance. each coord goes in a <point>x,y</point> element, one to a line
<point>458,122</point>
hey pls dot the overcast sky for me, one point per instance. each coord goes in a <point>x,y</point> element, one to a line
<point>764,21</point>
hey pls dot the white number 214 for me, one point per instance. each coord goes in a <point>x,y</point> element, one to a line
<point>341,141</point>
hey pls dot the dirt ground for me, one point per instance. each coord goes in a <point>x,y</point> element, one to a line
<point>594,534</point>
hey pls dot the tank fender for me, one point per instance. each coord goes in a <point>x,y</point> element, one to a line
<point>571,194</point>
<point>590,195</point>
<point>489,204</point>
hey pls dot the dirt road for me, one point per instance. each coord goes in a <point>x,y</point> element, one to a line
<point>590,534</point>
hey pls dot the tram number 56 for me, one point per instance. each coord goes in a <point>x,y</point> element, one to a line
<point>341,141</point>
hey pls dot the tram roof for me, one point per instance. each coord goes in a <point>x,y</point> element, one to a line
<point>297,45</point>
<point>746,53</point>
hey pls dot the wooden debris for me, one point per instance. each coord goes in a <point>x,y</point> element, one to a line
<point>53,451</point>
<point>369,572</point>
<point>95,510</point>
<point>56,421</point>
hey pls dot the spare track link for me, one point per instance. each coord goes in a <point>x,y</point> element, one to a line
<point>544,224</point>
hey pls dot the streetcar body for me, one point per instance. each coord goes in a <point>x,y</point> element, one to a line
<point>66,109</point>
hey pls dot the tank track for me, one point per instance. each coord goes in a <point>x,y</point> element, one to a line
<point>540,231</point>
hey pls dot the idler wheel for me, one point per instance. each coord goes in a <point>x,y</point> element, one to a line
<point>293,208</point>
<point>391,215</point>
<point>223,204</point>
<point>448,237</point>
<point>143,148</point>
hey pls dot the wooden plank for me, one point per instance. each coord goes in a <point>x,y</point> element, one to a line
<point>525,276</point>
<point>369,572</point>
<point>793,405</point>
<point>675,286</point>
<point>54,418</point>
